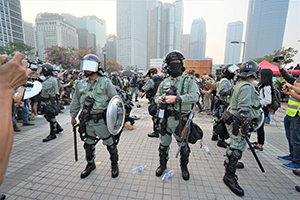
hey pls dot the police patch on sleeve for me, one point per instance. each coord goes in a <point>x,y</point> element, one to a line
<point>84,84</point>
<point>168,84</point>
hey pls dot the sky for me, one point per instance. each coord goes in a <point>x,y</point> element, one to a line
<point>216,13</point>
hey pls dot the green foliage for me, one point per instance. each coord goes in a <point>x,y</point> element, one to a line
<point>289,52</point>
<point>67,57</point>
<point>16,46</point>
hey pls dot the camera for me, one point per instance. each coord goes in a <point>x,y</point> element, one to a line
<point>279,58</point>
<point>172,91</point>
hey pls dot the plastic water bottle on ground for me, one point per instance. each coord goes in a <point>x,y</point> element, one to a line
<point>206,149</point>
<point>168,175</point>
<point>144,112</point>
<point>138,169</point>
<point>67,123</point>
<point>142,118</point>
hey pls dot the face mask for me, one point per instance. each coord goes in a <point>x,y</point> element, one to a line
<point>175,69</point>
<point>88,75</point>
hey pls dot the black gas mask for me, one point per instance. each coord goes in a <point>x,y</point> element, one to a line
<point>175,69</point>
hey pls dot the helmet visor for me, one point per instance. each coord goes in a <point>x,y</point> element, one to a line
<point>233,68</point>
<point>88,65</point>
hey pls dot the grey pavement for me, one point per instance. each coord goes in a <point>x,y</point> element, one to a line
<point>39,170</point>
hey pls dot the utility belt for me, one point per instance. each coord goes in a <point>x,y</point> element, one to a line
<point>96,117</point>
<point>173,113</point>
<point>254,107</point>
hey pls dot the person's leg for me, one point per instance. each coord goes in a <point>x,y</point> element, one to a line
<point>295,137</point>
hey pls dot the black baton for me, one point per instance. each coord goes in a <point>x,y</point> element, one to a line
<point>254,154</point>
<point>75,141</point>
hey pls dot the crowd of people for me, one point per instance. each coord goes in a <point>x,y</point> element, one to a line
<point>238,98</point>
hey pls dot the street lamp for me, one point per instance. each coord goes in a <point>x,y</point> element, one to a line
<point>104,53</point>
<point>237,42</point>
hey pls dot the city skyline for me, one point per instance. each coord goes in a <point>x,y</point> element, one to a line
<point>216,13</point>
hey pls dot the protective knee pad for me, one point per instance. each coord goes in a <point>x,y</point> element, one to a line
<point>162,149</point>
<point>185,151</point>
<point>112,149</point>
<point>89,151</point>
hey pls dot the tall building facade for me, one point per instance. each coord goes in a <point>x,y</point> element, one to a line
<point>29,34</point>
<point>111,46</point>
<point>233,50</point>
<point>51,29</point>
<point>185,45</point>
<point>197,39</point>
<point>172,26</point>
<point>265,27</point>
<point>97,27</point>
<point>132,32</point>
<point>165,28</point>
<point>86,39</point>
<point>11,25</point>
<point>155,32</point>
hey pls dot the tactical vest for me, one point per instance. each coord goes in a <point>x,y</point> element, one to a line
<point>293,106</point>
<point>98,92</point>
<point>185,108</point>
<point>255,107</point>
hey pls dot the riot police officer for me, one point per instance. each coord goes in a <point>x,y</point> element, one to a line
<point>244,105</point>
<point>92,95</point>
<point>116,80</point>
<point>134,86</point>
<point>224,91</point>
<point>150,88</point>
<point>49,94</point>
<point>176,93</point>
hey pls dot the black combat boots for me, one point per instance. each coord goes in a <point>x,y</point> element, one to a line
<point>58,128</point>
<point>114,157</point>
<point>230,178</point>
<point>222,143</point>
<point>162,160</point>
<point>184,160</point>
<point>154,134</point>
<point>136,98</point>
<point>89,156</point>
<point>88,169</point>
<point>52,135</point>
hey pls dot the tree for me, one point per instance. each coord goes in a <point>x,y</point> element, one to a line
<point>16,46</point>
<point>67,57</point>
<point>289,52</point>
<point>112,65</point>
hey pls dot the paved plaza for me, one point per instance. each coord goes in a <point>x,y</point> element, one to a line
<point>39,170</point>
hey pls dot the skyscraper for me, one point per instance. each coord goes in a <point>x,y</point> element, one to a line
<point>185,45</point>
<point>111,46</point>
<point>197,39</point>
<point>51,29</point>
<point>172,26</point>
<point>233,51</point>
<point>132,32</point>
<point>86,39</point>
<point>265,27</point>
<point>28,34</point>
<point>155,32</point>
<point>97,27</point>
<point>11,26</point>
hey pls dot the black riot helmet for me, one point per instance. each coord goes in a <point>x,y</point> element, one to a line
<point>173,55</point>
<point>152,70</point>
<point>46,69</point>
<point>229,70</point>
<point>91,62</point>
<point>248,68</point>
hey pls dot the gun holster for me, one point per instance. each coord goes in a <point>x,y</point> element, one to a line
<point>82,132</point>
<point>227,117</point>
<point>235,128</point>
